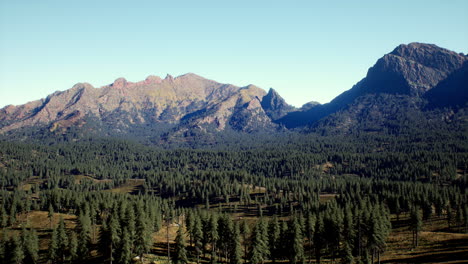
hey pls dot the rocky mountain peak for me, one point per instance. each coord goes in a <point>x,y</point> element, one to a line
<point>412,69</point>
<point>119,83</point>
<point>169,78</point>
<point>82,85</point>
<point>274,105</point>
<point>153,79</point>
<point>190,98</point>
<point>430,55</point>
<point>309,105</point>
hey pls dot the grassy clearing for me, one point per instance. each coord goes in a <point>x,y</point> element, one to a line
<point>131,186</point>
<point>436,244</point>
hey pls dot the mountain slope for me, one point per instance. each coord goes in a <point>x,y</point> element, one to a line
<point>275,106</point>
<point>408,88</point>
<point>411,70</point>
<point>451,92</point>
<point>123,104</point>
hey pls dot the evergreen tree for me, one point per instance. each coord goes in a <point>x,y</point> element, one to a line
<point>189,223</point>
<point>143,233</point>
<point>245,229</point>
<point>180,256</point>
<point>465,217</point>
<point>17,250</point>
<point>235,245</point>
<point>62,241</point>
<point>213,235</point>
<point>416,224</point>
<point>109,237</point>
<point>348,257</point>
<point>31,246</point>
<point>309,231</point>
<point>54,251</point>
<point>73,249</point>
<point>3,217</point>
<point>198,236</point>
<point>274,242</point>
<point>296,241</point>
<point>319,238</point>
<point>51,215</point>
<point>3,247</point>
<point>84,235</point>
<point>259,252</point>
<point>125,254</point>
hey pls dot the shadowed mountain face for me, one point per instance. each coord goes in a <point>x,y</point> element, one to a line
<point>404,82</point>
<point>275,106</point>
<point>451,92</point>
<point>410,70</point>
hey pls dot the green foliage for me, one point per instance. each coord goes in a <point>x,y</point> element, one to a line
<point>180,256</point>
<point>367,176</point>
<point>260,251</point>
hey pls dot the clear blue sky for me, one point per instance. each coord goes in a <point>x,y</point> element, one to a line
<point>306,50</point>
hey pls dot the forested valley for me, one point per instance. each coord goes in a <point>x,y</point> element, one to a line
<point>299,198</point>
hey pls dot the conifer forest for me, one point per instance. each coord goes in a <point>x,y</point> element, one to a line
<point>300,198</point>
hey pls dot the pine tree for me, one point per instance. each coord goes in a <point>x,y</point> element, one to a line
<point>225,233</point>
<point>259,252</point>
<point>348,257</point>
<point>283,248</point>
<point>309,231</point>
<point>17,250</point>
<point>213,235</point>
<point>416,224</point>
<point>274,238</point>
<point>130,223</point>
<point>198,236</point>
<point>3,247</point>
<point>245,231</point>
<point>296,241</point>
<point>125,254</point>
<point>189,222</point>
<point>84,235</point>
<point>143,233</point>
<point>109,237</point>
<point>180,256</point>
<point>3,218</point>
<point>465,217</point>
<point>62,241</point>
<point>73,248</point>
<point>51,215</point>
<point>53,253</point>
<point>235,245</point>
<point>31,246</point>
<point>319,238</point>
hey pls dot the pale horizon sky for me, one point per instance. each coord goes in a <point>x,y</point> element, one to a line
<point>305,50</point>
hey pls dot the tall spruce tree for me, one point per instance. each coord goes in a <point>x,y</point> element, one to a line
<point>84,235</point>
<point>125,254</point>
<point>198,236</point>
<point>235,245</point>
<point>17,250</point>
<point>296,241</point>
<point>62,241</point>
<point>30,242</point>
<point>144,239</point>
<point>73,247</point>
<point>245,229</point>
<point>53,253</point>
<point>415,224</point>
<point>180,254</point>
<point>274,242</point>
<point>259,252</point>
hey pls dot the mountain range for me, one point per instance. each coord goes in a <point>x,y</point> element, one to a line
<point>415,80</point>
